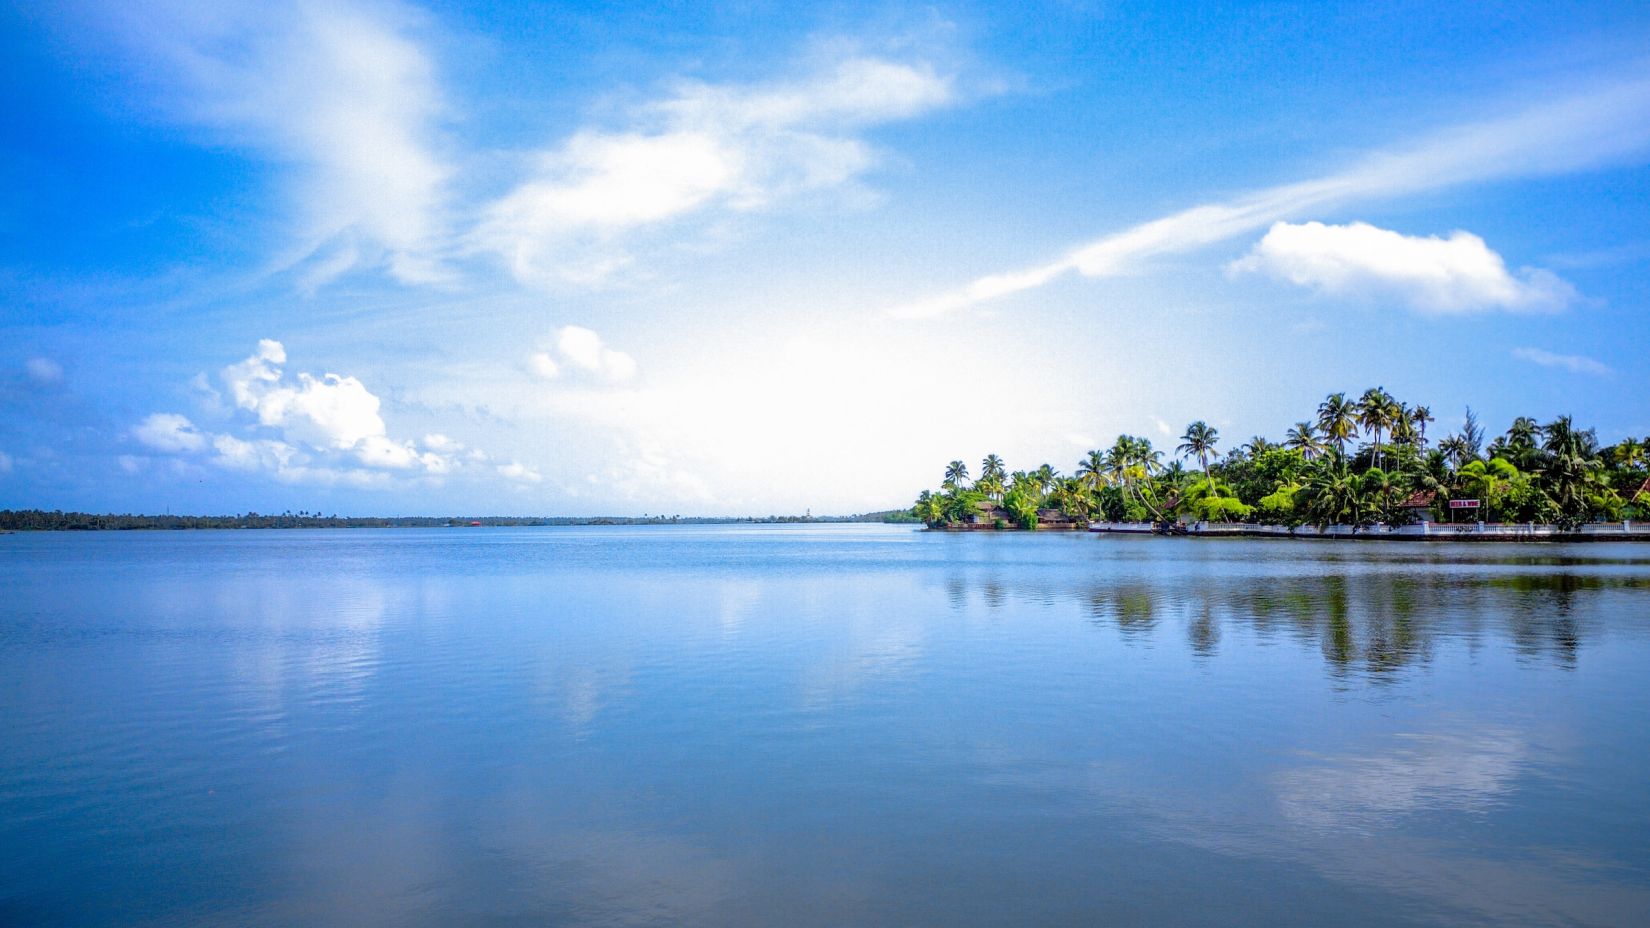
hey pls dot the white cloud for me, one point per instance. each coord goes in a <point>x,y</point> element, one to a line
<point>583,351</point>
<point>330,412</point>
<point>5,463</point>
<point>171,433</point>
<point>1598,126</point>
<point>515,470</point>
<point>704,147</point>
<point>1457,274</point>
<point>1574,363</point>
<point>339,94</point>
<point>543,366</point>
<point>324,429</point>
<point>43,370</point>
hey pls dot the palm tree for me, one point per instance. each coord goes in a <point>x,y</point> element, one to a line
<point>930,508</point>
<point>1331,495</point>
<point>1199,440</point>
<point>991,486</point>
<point>1092,470</point>
<point>1129,461</point>
<point>1455,450</point>
<point>1046,476</point>
<point>1403,427</point>
<point>1570,468</point>
<point>1521,444</point>
<point>1630,454</point>
<point>1336,422</point>
<point>1303,438</point>
<point>992,466</point>
<point>1071,497</point>
<point>1420,416</point>
<point>956,473</point>
<point>1258,446</point>
<point>1376,411</point>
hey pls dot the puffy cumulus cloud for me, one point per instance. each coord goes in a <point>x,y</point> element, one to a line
<point>1574,363</point>
<point>43,371</point>
<point>327,413</point>
<point>306,429</point>
<point>1458,274</point>
<point>703,148</point>
<point>581,350</point>
<point>171,433</point>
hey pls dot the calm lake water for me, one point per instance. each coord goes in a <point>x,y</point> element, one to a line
<point>823,725</point>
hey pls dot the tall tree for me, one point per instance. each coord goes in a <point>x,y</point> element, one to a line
<point>1376,411</point>
<point>1092,470</point>
<point>1420,416</point>
<point>1337,422</point>
<point>1303,437</point>
<point>1199,441</point>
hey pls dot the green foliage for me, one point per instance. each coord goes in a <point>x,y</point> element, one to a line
<point>1279,505</point>
<point>1551,473</point>
<point>1223,509</point>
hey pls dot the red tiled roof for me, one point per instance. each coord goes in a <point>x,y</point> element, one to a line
<point>1420,499</point>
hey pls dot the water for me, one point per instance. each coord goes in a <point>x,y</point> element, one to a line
<point>824,725</point>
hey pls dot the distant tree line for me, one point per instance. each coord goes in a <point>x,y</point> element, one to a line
<point>57,520</point>
<point>1321,473</point>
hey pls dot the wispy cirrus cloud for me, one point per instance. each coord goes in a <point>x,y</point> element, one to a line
<point>1455,274</point>
<point>340,97</point>
<point>703,149</point>
<point>1596,126</point>
<point>1574,363</point>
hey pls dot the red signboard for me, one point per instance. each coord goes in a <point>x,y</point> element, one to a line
<point>1463,504</point>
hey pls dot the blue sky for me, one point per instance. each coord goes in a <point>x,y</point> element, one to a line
<point>538,258</point>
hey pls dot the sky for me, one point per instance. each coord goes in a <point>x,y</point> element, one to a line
<point>541,258</point>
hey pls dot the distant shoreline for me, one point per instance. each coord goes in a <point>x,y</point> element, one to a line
<point>28,520</point>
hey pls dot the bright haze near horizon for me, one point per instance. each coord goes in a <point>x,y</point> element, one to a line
<point>396,258</point>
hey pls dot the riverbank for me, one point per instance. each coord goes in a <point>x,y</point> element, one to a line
<point>1421,531</point>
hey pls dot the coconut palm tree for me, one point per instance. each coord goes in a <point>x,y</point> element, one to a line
<point>1331,495</point>
<point>930,508</point>
<point>1376,411</point>
<point>1455,450</point>
<point>1046,477</point>
<point>1630,454</point>
<point>1199,441</point>
<point>1403,427</point>
<point>1303,437</point>
<point>1092,470</point>
<point>992,466</point>
<point>1420,416</point>
<point>992,486</point>
<point>1129,462</point>
<point>1569,468</point>
<point>956,474</point>
<point>1336,421</point>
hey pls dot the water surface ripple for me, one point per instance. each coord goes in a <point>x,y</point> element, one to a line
<point>819,725</point>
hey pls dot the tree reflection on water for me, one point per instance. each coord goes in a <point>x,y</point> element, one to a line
<point>1373,623</point>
